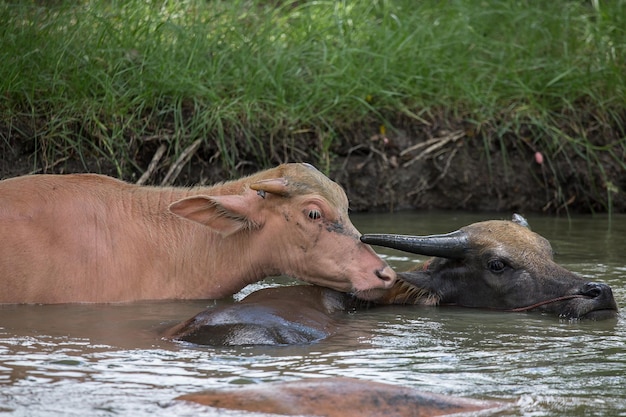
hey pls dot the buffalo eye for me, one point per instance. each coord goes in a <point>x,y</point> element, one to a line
<point>496,266</point>
<point>314,214</point>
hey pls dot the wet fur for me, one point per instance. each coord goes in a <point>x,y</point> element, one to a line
<point>405,293</point>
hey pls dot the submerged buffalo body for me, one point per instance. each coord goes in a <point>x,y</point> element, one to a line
<point>500,265</point>
<point>338,397</point>
<point>289,315</point>
<point>91,238</point>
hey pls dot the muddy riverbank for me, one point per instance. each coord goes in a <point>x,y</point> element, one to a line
<point>435,164</point>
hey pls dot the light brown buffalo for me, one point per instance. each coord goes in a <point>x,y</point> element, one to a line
<point>92,238</point>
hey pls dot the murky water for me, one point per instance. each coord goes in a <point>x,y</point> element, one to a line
<point>107,360</point>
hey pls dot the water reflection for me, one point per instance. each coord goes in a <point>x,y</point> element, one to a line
<point>109,360</point>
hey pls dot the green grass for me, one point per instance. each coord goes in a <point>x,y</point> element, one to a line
<point>275,80</point>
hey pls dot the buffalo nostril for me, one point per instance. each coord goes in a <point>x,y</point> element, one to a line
<point>386,274</point>
<point>382,276</point>
<point>594,289</point>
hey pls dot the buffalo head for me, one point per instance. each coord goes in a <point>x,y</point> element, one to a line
<point>495,264</point>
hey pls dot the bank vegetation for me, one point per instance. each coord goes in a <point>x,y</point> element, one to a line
<point>455,104</point>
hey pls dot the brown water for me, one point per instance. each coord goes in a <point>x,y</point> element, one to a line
<point>108,360</point>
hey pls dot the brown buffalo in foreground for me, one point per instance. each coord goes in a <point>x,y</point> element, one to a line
<point>92,238</point>
<point>339,397</point>
<point>500,265</point>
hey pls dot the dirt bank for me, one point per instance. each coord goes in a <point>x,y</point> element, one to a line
<point>452,167</point>
<point>435,164</point>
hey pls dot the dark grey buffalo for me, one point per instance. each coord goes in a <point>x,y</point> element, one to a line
<point>499,265</point>
<point>290,315</point>
<point>494,264</point>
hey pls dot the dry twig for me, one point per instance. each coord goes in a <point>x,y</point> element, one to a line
<point>153,164</point>
<point>431,146</point>
<point>182,160</point>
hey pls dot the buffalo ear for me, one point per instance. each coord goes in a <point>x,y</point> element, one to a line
<point>225,214</point>
<point>521,220</point>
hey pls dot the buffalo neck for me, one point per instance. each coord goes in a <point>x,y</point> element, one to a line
<point>205,264</point>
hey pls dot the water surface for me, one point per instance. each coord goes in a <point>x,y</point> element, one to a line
<point>108,360</point>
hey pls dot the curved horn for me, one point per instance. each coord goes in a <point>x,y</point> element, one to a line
<point>278,186</point>
<point>451,245</point>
